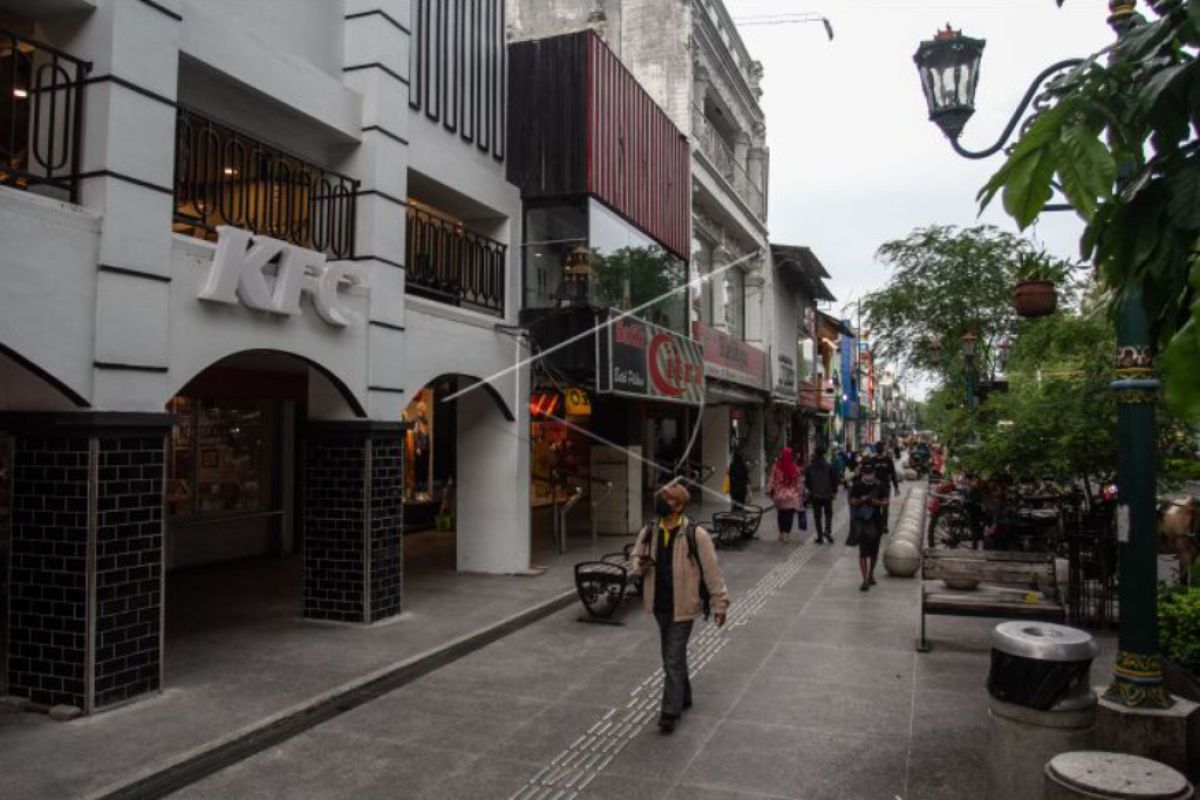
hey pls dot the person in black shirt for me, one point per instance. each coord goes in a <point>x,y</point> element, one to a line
<point>867,497</point>
<point>822,481</point>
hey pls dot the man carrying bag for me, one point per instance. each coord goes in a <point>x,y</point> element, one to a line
<point>681,580</point>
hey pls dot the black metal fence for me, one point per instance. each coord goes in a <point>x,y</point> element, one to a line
<point>223,177</point>
<point>1091,539</point>
<point>41,107</point>
<point>450,264</point>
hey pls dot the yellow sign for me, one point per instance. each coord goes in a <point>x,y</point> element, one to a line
<point>578,403</point>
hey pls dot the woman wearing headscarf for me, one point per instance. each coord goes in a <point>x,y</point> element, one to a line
<point>786,490</point>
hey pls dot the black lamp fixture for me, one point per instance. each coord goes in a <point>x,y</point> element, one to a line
<point>949,68</point>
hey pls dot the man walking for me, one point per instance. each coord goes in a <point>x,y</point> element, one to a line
<point>676,559</point>
<point>821,481</point>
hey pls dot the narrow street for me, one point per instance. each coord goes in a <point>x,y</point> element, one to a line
<point>812,690</point>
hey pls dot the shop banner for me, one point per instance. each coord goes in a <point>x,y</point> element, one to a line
<point>785,378</point>
<point>730,359</point>
<point>644,360</point>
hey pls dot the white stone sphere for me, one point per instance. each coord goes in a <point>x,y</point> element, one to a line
<point>902,558</point>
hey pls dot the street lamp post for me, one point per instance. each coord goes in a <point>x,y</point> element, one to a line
<point>949,69</point>
<point>969,342</point>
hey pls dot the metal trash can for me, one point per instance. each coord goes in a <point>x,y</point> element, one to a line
<point>1041,703</point>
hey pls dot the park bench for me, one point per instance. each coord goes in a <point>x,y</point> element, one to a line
<point>732,528</point>
<point>603,585</point>
<point>1011,586</point>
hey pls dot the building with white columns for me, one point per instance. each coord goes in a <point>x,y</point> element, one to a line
<point>248,248</point>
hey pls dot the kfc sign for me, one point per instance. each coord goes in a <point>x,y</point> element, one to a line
<point>238,275</point>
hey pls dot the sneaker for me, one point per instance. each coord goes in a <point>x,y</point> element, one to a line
<point>666,724</point>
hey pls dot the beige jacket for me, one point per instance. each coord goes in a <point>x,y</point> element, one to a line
<point>685,572</point>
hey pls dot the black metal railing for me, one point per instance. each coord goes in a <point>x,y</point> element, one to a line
<point>41,108</point>
<point>224,177</point>
<point>448,263</point>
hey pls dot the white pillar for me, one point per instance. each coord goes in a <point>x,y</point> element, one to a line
<point>492,492</point>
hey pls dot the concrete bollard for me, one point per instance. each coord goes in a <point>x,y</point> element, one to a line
<point>1092,775</point>
<point>1020,737</point>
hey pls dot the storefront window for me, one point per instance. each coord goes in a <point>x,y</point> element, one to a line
<point>551,233</point>
<point>623,267</point>
<point>559,462</point>
<point>219,459</point>
<point>734,289</point>
<point>632,270</point>
<point>702,258</point>
<point>418,448</point>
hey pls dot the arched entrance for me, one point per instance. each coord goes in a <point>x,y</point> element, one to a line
<point>460,480</point>
<point>234,493</point>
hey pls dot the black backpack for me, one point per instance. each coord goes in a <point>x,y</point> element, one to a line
<point>694,555</point>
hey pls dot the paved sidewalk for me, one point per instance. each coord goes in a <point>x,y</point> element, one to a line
<point>237,653</point>
<point>812,691</point>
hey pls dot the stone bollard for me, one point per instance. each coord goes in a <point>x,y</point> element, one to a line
<point>1019,737</point>
<point>1092,775</point>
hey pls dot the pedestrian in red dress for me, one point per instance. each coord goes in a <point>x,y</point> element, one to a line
<point>786,490</point>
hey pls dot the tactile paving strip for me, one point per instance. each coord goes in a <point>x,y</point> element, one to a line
<point>569,772</point>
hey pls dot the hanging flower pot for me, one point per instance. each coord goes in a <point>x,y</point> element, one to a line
<point>1035,298</point>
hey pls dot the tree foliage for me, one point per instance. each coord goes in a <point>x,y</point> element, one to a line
<point>945,282</point>
<point>1133,108</point>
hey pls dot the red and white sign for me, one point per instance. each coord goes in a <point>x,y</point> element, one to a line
<point>644,360</point>
<point>731,359</point>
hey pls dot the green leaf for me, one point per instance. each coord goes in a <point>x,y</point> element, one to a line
<point>1042,135</point>
<point>1086,169</point>
<point>1164,81</point>
<point>1181,377</point>
<point>1028,189</point>
<point>1184,188</point>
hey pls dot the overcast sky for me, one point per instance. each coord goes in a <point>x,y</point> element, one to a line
<point>854,160</point>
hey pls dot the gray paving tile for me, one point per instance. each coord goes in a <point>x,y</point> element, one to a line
<point>622,787</point>
<point>861,634</point>
<point>947,770</point>
<point>824,707</point>
<point>692,791</point>
<point>843,665</point>
<point>548,734</point>
<point>484,778</point>
<point>753,758</point>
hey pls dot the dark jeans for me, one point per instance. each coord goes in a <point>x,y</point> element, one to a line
<point>677,687</point>
<point>823,512</point>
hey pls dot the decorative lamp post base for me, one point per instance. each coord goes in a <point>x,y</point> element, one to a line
<point>1138,682</point>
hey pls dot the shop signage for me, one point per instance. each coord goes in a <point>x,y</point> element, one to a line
<point>785,375</point>
<point>638,359</point>
<point>731,359</point>
<point>237,275</point>
<point>578,402</point>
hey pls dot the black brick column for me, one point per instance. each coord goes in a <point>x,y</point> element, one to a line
<point>353,510</point>
<point>86,572</point>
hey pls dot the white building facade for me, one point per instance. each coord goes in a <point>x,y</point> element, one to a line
<point>251,250</point>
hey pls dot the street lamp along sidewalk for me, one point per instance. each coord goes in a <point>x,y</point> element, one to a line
<point>949,69</point>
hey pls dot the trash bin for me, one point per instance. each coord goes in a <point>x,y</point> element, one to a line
<point>1041,703</point>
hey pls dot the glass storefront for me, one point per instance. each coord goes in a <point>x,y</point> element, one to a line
<point>623,267</point>
<point>220,457</point>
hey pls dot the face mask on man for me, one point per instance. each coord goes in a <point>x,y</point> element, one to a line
<point>661,507</point>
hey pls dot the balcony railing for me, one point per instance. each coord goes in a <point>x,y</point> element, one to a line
<point>223,177</point>
<point>41,104</point>
<point>452,265</point>
<point>722,157</point>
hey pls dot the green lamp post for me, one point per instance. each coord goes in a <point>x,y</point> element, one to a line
<point>949,70</point>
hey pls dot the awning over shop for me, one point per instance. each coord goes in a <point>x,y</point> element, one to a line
<point>722,393</point>
<point>804,266</point>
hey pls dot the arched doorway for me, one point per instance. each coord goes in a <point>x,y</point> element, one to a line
<point>460,479</point>
<point>234,492</point>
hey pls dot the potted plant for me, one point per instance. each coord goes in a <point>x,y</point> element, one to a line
<point>1035,294</point>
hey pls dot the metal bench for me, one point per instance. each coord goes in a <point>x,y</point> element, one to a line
<point>1011,586</point>
<point>733,528</point>
<point>603,585</point>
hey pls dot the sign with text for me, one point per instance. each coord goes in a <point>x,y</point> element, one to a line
<point>730,359</point>
<point>644,360</point>
<point>785,377</point>
<point>240,274</point>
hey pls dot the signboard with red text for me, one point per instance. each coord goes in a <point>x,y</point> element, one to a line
<point>638,359</point>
